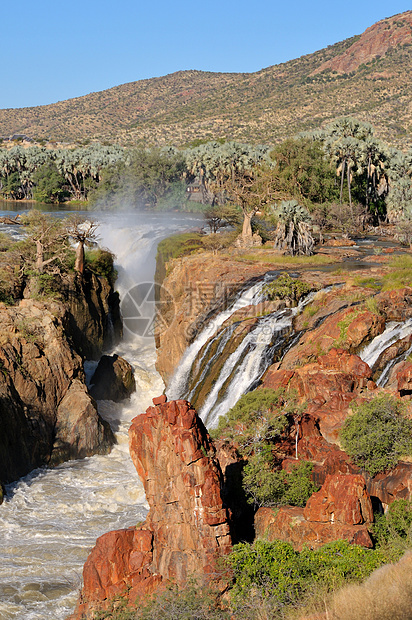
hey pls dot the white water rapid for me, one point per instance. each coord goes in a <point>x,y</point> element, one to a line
<point>393,332</point>
<point>50,519</point>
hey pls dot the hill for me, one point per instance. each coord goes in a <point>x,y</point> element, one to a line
<point>367,76</point>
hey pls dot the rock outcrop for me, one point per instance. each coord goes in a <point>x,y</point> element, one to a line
<point>374,43</point>
<point>46,415</point>
<point>328,385</point>
<point>187,527</point>
<point>342,508</point>
<point>113,379</point>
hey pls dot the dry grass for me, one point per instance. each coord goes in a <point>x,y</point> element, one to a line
<point>385,595</point>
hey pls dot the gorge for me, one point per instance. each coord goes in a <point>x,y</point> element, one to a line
<point>52,517</point>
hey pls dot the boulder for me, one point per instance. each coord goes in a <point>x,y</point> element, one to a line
<point>343,498</point>
<point>404,379</point>
<point>113,379</point>
<point>389,486</point>
<point>79,430</point>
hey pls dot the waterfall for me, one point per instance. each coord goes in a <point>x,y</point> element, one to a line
<point>51,518</point>
<point>249,297</point>
<point>393,332</point>
<point>243,367</point>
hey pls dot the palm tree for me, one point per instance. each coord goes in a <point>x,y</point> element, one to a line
<point>293,234</point>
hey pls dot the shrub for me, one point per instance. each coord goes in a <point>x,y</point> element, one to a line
<point>378,434</point>
<point>393,530</point>
<point>101,261</point>
<point>257,417</point>
<point>273,570</point>
<point>285,287</point>
<point>265,486</point>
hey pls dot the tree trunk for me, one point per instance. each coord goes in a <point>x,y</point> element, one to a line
<point>350,196</point>
<point>79,262</point>
<point>39,256</point>
<point>247,225</point>
<point>342,173</point>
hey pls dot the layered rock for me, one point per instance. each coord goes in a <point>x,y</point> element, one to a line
<point>328,385</point>
<point>187,527</point>
<point>342,508</point>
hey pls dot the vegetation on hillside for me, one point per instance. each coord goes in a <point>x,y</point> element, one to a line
<point>262,107</point>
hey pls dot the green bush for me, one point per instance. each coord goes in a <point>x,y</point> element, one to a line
<point>378,434</point>
<point>274,570</point>
<point>258,416</point>
<point>285,287</point>
<point>101,262</point>
<point>392,531</point>
<point>265,486</point>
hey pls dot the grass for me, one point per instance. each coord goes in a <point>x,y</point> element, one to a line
<point>400,273</point>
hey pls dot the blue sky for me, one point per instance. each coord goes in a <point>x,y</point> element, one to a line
<point>52,51</point>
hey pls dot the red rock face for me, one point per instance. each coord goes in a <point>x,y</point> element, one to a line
<point>342,508</point>
<point>374,42</point>
<point>186,530</point>
<point>289,524</point>
<point>175,459</point>
<point>342,499</point>
<point>328,386</point>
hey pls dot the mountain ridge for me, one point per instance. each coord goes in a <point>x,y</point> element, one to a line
<point>365,76</point>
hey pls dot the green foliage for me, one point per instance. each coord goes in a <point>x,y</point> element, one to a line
<point>179,245</point>
<point>265,486</point>
<point>145,178</point>
<point>258,417</point>
<point>392,531</point>
<point>273,570</point>
<point>286,287</point>
<point>302,172</point>
<point>100,261</point>
<point>49,184</point>
<point>378,434</point>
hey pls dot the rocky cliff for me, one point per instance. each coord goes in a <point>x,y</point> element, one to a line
<point>199,287</point>
<point>46,413</point>
<point>187,527</point>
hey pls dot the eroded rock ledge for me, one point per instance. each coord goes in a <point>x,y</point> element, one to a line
<point>187,527</point>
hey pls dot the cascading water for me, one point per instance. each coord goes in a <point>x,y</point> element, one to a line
<point>393,332</point>
<point>177,386</point>
<point>243,367</point>
<point>51,518</point>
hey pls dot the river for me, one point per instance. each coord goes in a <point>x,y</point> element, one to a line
<point>51,518</point>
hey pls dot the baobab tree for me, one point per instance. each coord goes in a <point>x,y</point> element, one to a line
<point>82,232</point>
